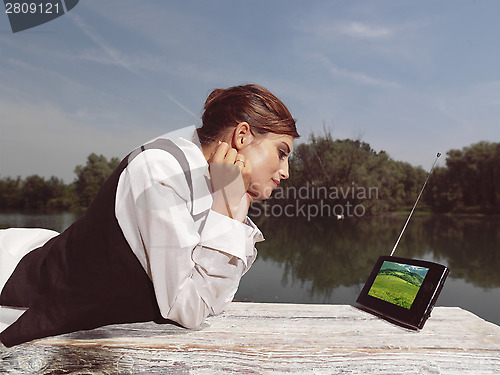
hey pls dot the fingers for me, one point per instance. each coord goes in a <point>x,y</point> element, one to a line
<point>223,169</point>
<point>223,153</point>
<point>230,184</point>
<point>240,161</point>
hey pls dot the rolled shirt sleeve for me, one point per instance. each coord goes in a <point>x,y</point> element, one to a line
<point>194,261</point>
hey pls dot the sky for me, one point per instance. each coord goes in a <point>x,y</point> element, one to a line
<point>411,78</point>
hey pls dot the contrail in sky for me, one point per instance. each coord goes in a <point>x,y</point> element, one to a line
<point>187,110</point>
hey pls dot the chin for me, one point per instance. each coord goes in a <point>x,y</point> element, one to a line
<point>266,194</point>
<point>260,192</point>
<point>258,196</point>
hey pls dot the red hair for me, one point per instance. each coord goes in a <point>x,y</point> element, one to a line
<point>264,112</point>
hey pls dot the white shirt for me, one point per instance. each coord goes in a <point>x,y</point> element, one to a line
<point>195,262</point>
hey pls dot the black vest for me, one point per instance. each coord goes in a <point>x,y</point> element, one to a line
<point>87,276</point>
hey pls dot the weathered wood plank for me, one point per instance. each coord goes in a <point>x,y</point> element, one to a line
<point>271,338</point>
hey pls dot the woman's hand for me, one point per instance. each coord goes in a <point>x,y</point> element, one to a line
<point>230,174</point>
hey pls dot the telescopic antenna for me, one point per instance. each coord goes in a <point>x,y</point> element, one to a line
<point>415,205</point>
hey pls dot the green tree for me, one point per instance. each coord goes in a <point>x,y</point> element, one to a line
<point>353,166</point>
<point>10,193</point>
<point>470,180</point>
<point>63,196</point>
<point>91,177</point>
<point>35,192</point>
<point>477,169</point>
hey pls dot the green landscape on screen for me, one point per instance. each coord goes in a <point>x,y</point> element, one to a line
<point>398,283</point>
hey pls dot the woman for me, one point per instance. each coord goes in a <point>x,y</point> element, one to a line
<point>167,237</point>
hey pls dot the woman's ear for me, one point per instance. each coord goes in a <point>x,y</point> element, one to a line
<point>242,136</point>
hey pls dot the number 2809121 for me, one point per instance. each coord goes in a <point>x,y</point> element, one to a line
<point>33,8</point>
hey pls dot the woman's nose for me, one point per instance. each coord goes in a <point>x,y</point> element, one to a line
<point>284,174</point>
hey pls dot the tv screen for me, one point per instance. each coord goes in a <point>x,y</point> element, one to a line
<point>402,291</point>
<point>398,283</point>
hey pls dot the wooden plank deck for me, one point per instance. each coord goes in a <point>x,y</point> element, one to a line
<point>256,338</point>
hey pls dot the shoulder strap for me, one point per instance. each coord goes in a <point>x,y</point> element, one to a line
<point>177,153</point>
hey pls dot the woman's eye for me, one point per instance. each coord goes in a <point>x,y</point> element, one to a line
<point>283,154</point>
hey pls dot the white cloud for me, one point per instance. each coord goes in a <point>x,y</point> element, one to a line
<point>363,31</point>
<point>326,28</point>
<point>358,77</point>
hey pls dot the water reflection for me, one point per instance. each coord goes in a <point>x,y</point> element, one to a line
<point>469,246</point>
<point>328,261</point>
<point>57,221</point>
<point>342,253</point>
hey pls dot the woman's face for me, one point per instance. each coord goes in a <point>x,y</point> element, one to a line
<point>268,155</point>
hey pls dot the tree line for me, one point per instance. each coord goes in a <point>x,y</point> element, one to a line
<point>349,172</point>
<point>468,183</point>
<point>409,277</point>
<point>37,193</point>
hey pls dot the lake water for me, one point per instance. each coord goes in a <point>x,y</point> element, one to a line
<point>328,261</point>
